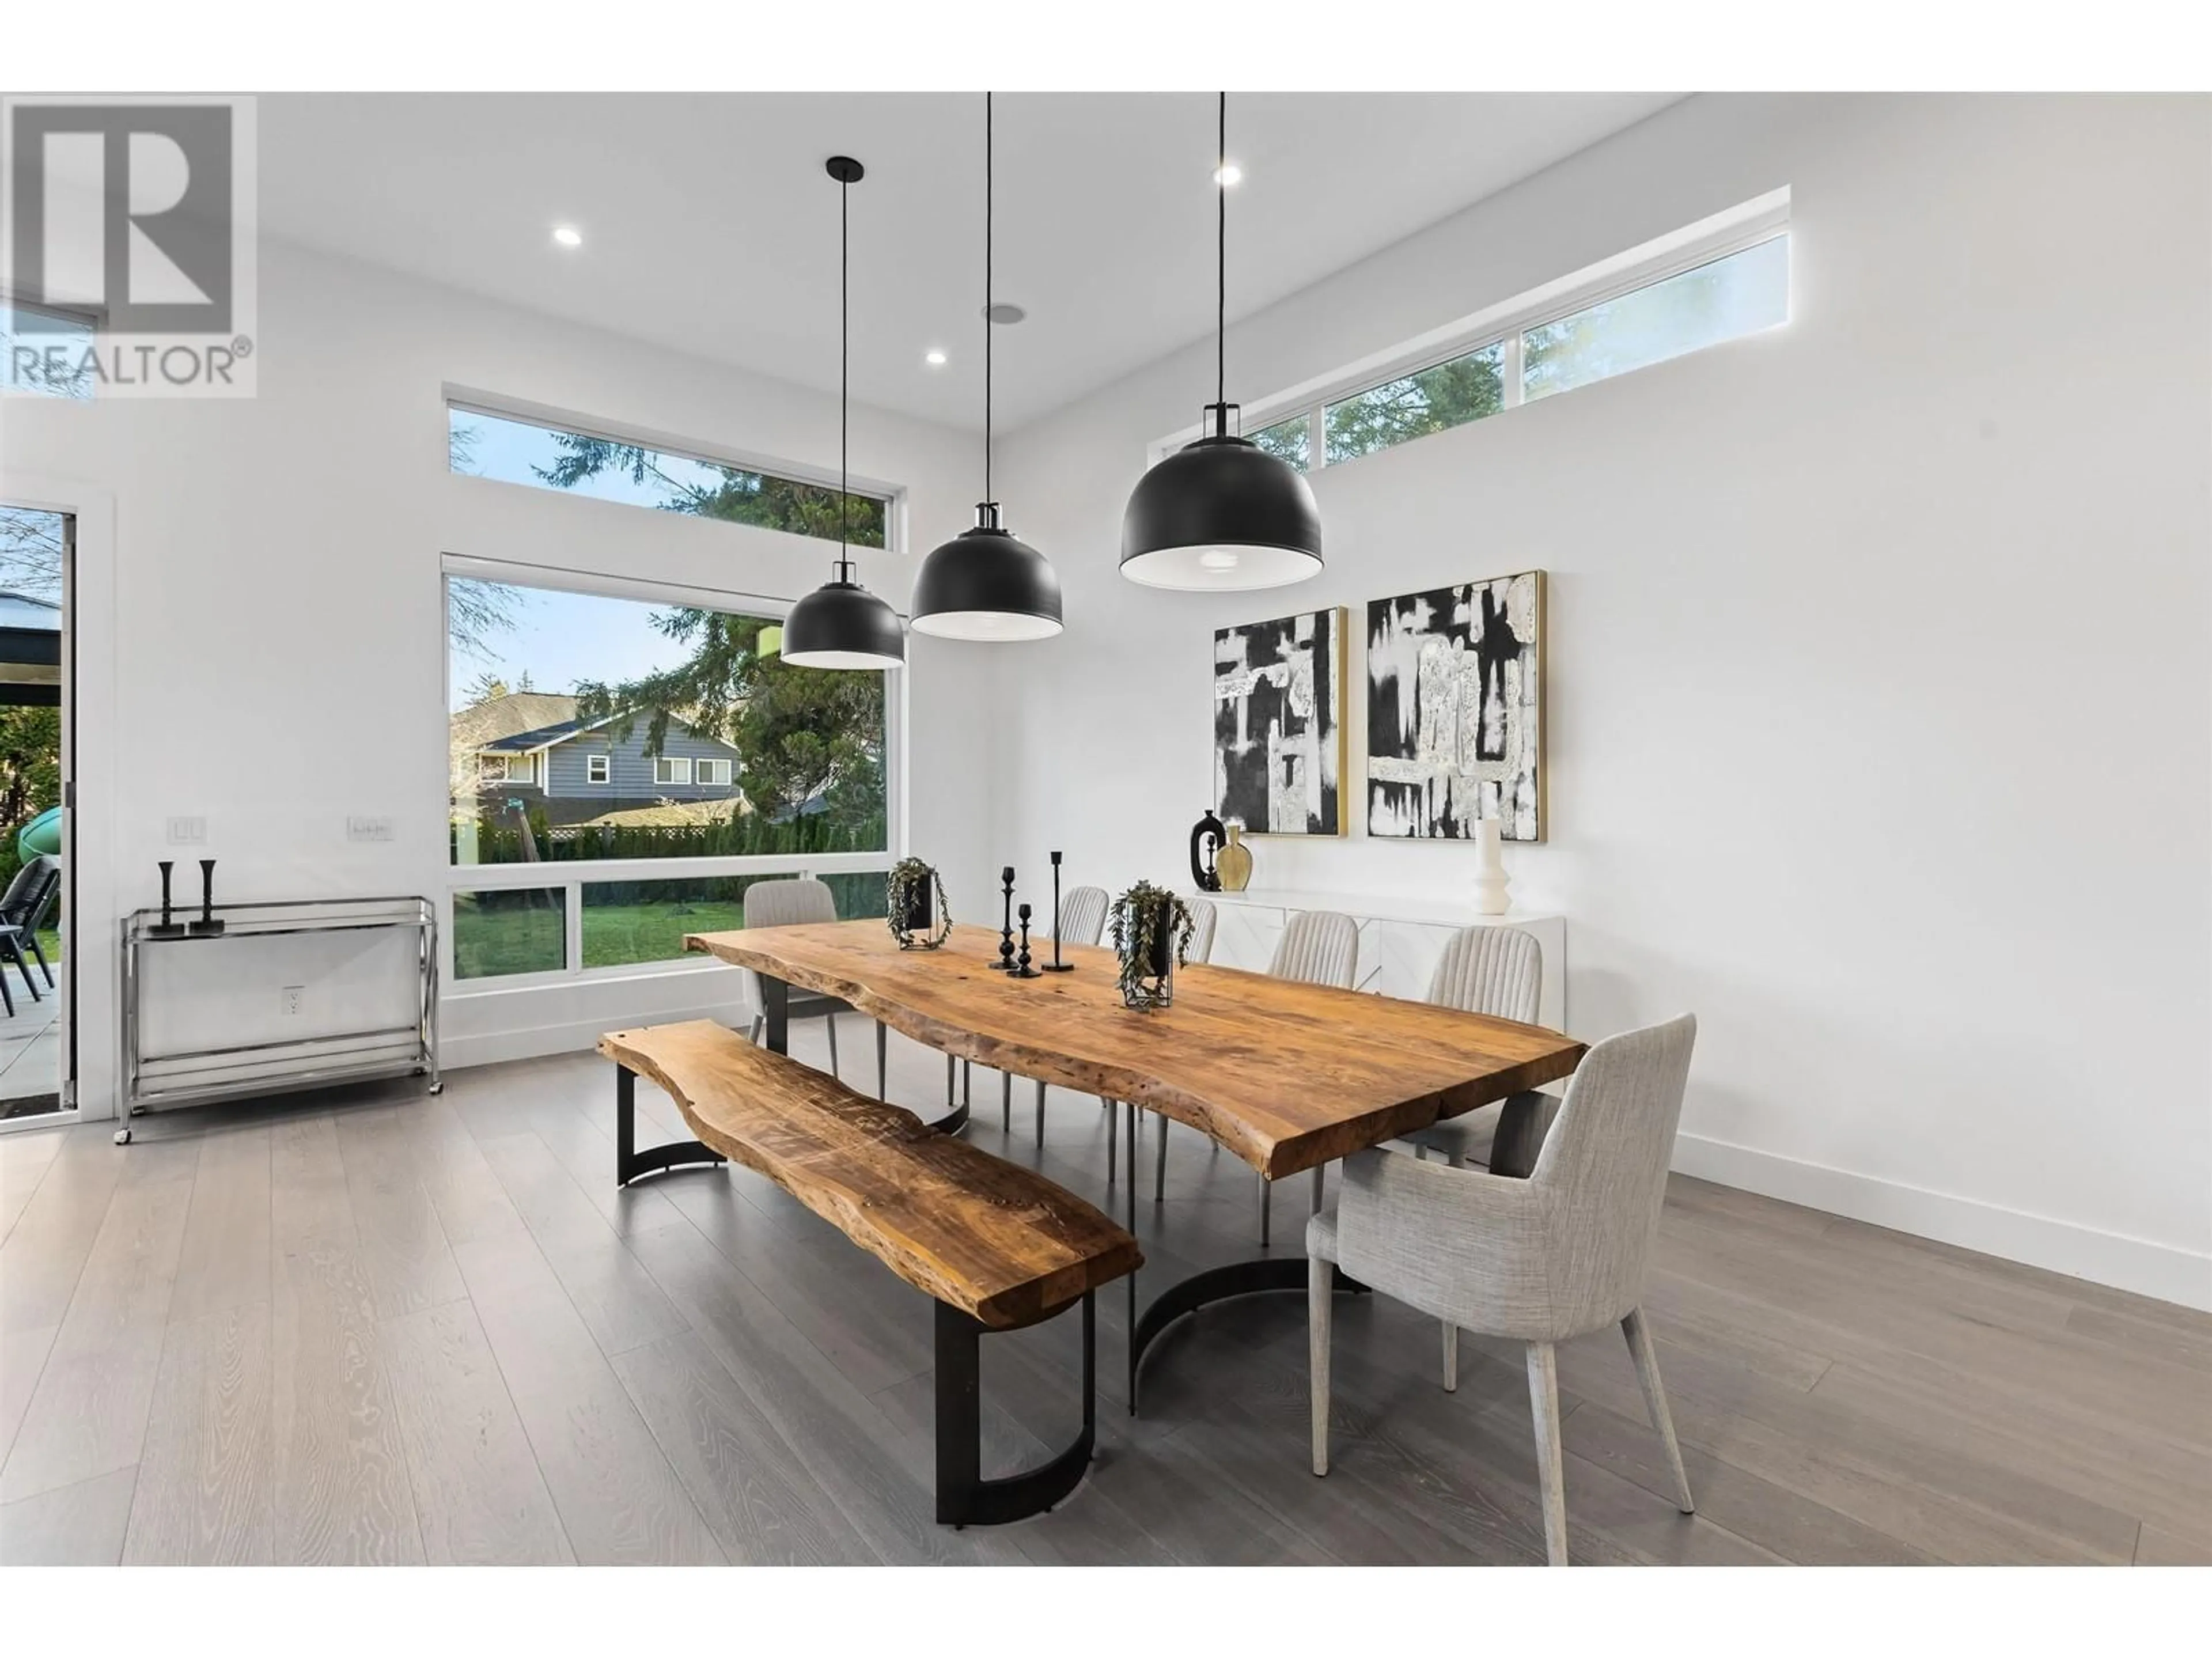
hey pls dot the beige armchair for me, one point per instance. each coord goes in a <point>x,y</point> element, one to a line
<point>1539,1260</point>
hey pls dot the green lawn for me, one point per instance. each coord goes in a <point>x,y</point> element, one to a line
<point>516,939</point>
<point>616,934</point>
<point>522,931</point>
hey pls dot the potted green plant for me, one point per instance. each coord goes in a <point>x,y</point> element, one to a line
<point>1151,936</point>
<point>915,906</point>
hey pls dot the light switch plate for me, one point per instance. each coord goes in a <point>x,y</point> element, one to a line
<point>187,832</point>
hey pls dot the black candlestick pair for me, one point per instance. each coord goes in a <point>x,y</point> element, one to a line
<point>206,925</point>
<point>1008,963</point>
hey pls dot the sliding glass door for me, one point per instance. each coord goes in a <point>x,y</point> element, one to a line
<point>37,1051</point>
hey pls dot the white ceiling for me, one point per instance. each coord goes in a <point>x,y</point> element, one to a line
<point>710,226</point>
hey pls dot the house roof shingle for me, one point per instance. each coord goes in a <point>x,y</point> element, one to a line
<point>522,743</point>
<point>482,724</point>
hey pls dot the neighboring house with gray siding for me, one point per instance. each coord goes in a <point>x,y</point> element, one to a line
<point>575,771</point>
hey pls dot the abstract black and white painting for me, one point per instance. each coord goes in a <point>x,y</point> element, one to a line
<point>1455,709</point>
<point>1279,725</point>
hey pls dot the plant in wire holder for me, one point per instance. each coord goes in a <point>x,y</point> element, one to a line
<point>1152,931</point>
<point>916,907</point>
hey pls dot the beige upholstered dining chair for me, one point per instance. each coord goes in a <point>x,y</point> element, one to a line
<point>1498,971</point>
<point>1318,947</point>
<point>790,904</point>
<point>1082,916</point>
<point>1203,918</point>
<point>1539,1260</point>
<point>1082,920</point>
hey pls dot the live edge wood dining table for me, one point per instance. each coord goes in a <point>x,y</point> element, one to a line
<point>1288,1076</point>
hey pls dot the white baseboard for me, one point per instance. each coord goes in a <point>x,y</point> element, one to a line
<point>2140,1265</point>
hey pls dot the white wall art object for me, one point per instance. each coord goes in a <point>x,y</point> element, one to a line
<point>1491,897</point>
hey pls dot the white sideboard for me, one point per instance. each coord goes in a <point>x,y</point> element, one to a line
<point>1399,939</point>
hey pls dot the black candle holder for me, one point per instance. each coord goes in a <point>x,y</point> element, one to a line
<point>1056,966</point>
<point>168,926</point>
<point>1024,971</point>
<point>208,924</point>
<point>1004,964</point>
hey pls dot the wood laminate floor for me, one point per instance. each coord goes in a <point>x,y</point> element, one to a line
<point>373,1327</point>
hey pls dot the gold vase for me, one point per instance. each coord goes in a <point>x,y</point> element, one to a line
<point>1234,863</point>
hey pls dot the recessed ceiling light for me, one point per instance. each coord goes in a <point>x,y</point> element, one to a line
<point>1228,173</point>
<point>567,236</point>
<point>934,358</point>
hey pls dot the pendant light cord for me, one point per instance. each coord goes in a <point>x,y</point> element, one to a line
<point>844,365</point>
<point>990,209</point>
<point>1221,266</point>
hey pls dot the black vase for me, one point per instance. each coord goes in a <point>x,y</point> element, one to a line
<point>1162,965</point>
<point>1154,984</point>
<point>921,901</point>
<point>1206,838</point>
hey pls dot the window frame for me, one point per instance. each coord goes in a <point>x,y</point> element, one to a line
<point>1717,237</point>
<point>520,769</point>
<point>698,764</point>
<point>599,768</point>
<point>677,770</point>
<point>573,875</point>
<point>493,406</point>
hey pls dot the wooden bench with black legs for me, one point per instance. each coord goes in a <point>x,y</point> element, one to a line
<point>997,1246</point>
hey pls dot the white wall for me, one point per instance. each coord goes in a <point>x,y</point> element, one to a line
<point>279,641</point>
<point>1879,655</point>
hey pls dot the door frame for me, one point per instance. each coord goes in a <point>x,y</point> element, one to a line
<point>89,659</point>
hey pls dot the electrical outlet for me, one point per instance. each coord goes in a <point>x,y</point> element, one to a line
<point>292,994</point>
<point>358,829</point>
<point>187,832</point>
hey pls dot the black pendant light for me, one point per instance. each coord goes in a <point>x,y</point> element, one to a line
<point>1221,513</point>
<point>986,583</point>
<point>840,624</point>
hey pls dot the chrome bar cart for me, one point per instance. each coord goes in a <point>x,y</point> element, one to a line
<point>191,1073</point>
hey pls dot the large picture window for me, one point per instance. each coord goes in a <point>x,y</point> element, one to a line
<point>591,737</point>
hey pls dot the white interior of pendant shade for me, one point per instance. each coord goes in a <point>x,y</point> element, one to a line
<point>1001,626</point>
<point>1225,566</point>
<point>841,660</point>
